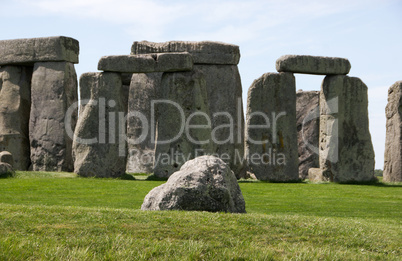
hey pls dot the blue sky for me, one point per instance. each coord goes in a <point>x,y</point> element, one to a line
<point>368,33</point>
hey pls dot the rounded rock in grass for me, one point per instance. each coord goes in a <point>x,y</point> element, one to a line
<point>6,170</point>
<point>205,183</point>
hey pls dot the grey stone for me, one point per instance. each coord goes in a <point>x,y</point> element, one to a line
<point>15,104</point>
<point>174,144</point>
<point>146,63</point>
<point>32,50</point>
<point>313,64</point>
<point>224,92</point>
<point>316,175</point>
<point>6,170</point>
<point>54,90</point>
<point>271,136</point>
<point>308,130</point>
<point>144,89</point>
<point>346,150</point>
<point>393,141</point>
<point>205,52</point>
<point>98,150</point>
<point>205,183</point>
<point>7,157</point>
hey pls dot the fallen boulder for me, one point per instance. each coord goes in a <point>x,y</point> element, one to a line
<point>205,183</point>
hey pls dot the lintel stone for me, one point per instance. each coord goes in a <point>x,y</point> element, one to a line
<point>146,63</point>
<point>44,49</point>
<point>313,64</point>
<point>204,52</point>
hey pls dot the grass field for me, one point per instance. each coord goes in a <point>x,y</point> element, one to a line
<point>58,216</point>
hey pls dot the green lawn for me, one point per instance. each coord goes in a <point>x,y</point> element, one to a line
<point>58,216</point>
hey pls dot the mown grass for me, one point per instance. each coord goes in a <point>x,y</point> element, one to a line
<point>58,216</point>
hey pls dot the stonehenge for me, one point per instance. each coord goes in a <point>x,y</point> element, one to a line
<point>345,148</point>
<point>393,143</point>
<point>153,110</point>
<point>38,84</point>
<point>216,63</point>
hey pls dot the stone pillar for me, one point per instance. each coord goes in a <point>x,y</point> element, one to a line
<point>144,88</point>
<point>183,129</point>
<point>99,148</point>
<point>15,103</point>
<point>308,126</point>
<point>54,90</point>
<point>393,142</point>
<point>224,91</point>
<point>346,150</point>
<point>218,63</point>
<point>271,137</point>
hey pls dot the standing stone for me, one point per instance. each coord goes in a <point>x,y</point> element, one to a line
<point>308,130</point>
<point>144,89</point>
<point>271,136</point>
<point>393,142</point>
<point>224,92</point>
<point>98,148</point>
<point>54,90</point>
<point>218,63</point>
<point>179,141</point>
<point>15,103</point>
<point>346,150</point>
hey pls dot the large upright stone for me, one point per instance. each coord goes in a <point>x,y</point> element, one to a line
<point>205,52</point>
<point>98,148</point>
<point>313,64</point>
<point>271,137</point>
<point>54,90</point>
<point>217,62</point>
<point>308,130</point>
<point>393,142</point>
<point>15,105</point>
<point>45,49</point>
<point>144,89</point>
<point>184,129</point>
<point>346,150</point>
<point>146,63</point>
<point>224,91</point>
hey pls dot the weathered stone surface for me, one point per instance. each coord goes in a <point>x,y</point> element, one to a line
<point>313,64</point>
<point>308,130</point>
<point>346,150</point>
<point>186,93</point>
<point>54,90</point>
<point>205,183</point>
<point>32,50</point>
<point>224,91</point>
<point>393,142</point>
<point>144,89</point>
<point>6,170</point>
<point>7,157</point>
<point>205,52</point>
<point>271,136</point>
<point>97,148</point>
<point>15,104</point>
<point>147,63</point>
<point>316,175</point>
